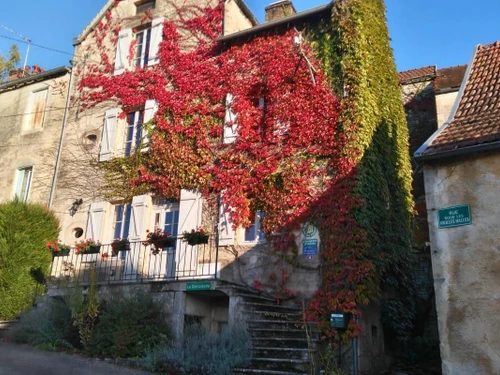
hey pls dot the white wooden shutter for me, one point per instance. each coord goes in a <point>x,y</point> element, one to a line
<point>150,109</point>
<point>95,220</point>
<point>230,125</point>
<point>122,51</point>
<point>156,38</point>
<point>189,210</point>
<point>138,217</point>
<point>186,257</point>
<point>226,231</point>
<point>108,134</point>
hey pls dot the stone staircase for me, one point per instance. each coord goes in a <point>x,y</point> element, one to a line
<point>279,338</point>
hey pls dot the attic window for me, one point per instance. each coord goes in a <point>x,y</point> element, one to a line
<point>144,5</point>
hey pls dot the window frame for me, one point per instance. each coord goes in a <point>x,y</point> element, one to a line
<point>20,182</point>
<point>28,125</point>
<point>260,236</point>
<point>133,129</point>
<point>161,208</point>
<point>141,58</point>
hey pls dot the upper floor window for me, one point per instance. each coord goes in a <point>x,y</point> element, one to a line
<point>35,112</point>
<point>253,233</point>
<point>23,183</point>
<point>143,45</point>
<point>166,216</point>
<point>121,220</point>
<point>134,131</point>
<point>144,5</point>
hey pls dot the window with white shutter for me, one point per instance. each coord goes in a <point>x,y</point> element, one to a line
<point>122,51</point>
<point>226,231</point>
<point>186,258</point>
<point>108,134</point>
<point>150,109</point>
<point>230,121</point>
<point>156,38</point>
<point>95,220</point>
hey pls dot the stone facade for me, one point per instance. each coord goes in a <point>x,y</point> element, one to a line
<point>32,110</point>
<point>465,263</point>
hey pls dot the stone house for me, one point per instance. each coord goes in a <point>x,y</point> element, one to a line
<point>205,283</point>
<point>32,107</point>
<point>461,173</point>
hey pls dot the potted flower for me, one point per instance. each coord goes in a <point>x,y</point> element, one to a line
<point>120,244</point>
<point>58,249</point>
<point>88,246</point>
<point>159,239</point>
<point>195,237</point>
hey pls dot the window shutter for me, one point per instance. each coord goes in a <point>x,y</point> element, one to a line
<point>122,51</point>
<point>138,217</point>
<point>108,134</point>
<point>186,258</point>
<point>156,38</point>
<point>230,125</point>
<point>95,220</point>
<point>226,232</point>
<point>150,109</point>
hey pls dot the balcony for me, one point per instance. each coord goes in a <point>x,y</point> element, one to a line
<point>139,264</point>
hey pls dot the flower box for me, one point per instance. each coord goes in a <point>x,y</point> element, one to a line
<point>195,237</point>
<point>120,244</point>
<point>88,246</point>
<point>58,249</point>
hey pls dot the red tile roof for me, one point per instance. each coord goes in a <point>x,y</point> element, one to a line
<point>477,119</point>
<point>417,74</point>
<point>450,78</point>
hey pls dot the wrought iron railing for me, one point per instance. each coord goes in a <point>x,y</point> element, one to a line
<point>139,263</point>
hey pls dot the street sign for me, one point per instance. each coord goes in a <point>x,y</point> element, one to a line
<point>339,320</point>
<point>455,216</point>
<point>200,285</point>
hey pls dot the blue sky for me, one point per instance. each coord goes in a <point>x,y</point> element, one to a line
<point>423,32</point>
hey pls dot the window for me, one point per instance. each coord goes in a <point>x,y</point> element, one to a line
<point>23,183</point>
<point>35,112</point>
<point>142,6</point>
<point>133,132</point>
<point>253,233</point>
<point>121,223</point>
<point>166,216</point>
<point>143,41</point>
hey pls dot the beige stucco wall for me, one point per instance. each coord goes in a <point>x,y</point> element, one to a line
<point>466,263</point>
<point>444,105</point>
<point>24,148</point>
<point>234,19</point>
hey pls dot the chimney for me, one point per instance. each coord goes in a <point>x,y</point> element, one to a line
<point>279,9</point>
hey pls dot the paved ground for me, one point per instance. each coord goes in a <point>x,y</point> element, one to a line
<point>23,360</point>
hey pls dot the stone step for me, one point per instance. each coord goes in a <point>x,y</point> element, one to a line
<point>269,307</point>
<point>279,324</point>
<point>276,315</point>
<point>259,332</point>
<point>265,372</point>
<point>281,364</point>
<point>292,342</point>
<point>277,352</point>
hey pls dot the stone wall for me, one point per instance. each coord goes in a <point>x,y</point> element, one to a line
<point>465,262</point>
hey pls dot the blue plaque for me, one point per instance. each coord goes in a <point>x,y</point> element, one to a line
<point>310,247</point>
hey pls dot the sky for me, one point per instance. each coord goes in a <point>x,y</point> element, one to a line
<point>423,32</point>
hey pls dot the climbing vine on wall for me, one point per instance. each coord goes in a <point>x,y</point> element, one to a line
<point>299,153</point>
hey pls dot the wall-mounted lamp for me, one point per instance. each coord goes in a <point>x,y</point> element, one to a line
<point>74,207</point>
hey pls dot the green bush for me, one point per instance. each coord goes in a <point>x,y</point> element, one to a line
<point>127,327</point>
<point>203,353</point>
<point>25,229</point>
<point>49,326</point>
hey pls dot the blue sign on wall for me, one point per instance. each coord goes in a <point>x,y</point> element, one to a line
<point>310,247</point>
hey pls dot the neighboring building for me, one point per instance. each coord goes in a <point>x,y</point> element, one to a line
<point>31,114</point>
<point>232,259</point>
<point>461,163</point>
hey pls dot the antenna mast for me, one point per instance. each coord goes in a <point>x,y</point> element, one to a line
<point>27,40</point>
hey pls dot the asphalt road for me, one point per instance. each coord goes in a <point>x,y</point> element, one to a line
<point>23,360</point>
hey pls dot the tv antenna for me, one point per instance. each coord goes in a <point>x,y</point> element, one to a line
<point>27,40</point>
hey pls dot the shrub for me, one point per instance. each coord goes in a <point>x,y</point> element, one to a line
<point>127,327</point>
<point>25,229</point>
<point>203,353</point>
<point>48,325</point>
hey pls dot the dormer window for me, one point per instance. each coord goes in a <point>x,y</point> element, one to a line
<point>144,5</point>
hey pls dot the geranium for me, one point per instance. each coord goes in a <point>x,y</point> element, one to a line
<point>58,248</point>
<point>120,244</point>
<point>159,239</point>
<point>88,246</point>
<point>195,237</point>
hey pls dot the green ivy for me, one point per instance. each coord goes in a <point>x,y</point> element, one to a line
<point>355,53</point>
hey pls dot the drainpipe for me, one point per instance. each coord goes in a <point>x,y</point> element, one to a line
<point>63,131</point>
<point>355,353</point>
